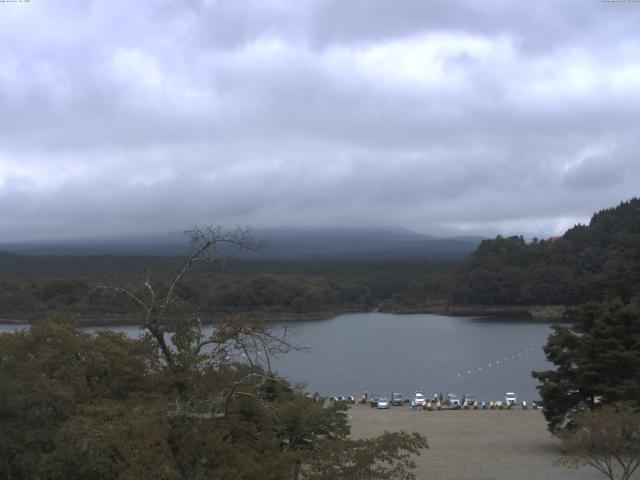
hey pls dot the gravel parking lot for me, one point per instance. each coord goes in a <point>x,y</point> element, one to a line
<point>475,444</point>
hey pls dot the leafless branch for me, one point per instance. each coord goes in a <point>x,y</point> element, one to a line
<point>206,242</point>
<point>232,389</point>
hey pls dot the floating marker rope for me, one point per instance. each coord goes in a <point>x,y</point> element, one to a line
<point>496,364</point>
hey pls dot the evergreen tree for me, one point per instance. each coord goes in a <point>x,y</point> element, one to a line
<point>597,360</point>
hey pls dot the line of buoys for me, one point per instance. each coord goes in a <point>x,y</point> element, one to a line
<point>497,363</point>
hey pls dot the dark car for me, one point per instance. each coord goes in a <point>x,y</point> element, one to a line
<point>397,398</point>
<point>469,400</point>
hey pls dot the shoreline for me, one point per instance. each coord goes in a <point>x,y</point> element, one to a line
<point>543,312</point>
<point>540,312</point>
<point>113,320</point>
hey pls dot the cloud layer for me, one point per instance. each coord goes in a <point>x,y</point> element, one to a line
<point>462,116</point>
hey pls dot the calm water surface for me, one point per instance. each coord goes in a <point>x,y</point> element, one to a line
<point>382,353</point>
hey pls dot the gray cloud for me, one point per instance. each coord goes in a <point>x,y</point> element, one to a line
<point>462,116</point>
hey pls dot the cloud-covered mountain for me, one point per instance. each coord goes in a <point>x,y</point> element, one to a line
<point>354,243</point>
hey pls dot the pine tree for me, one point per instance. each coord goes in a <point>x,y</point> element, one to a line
<point>597,360</point>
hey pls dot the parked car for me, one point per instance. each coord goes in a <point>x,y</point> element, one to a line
<point>510,398</point>
<point>397,398</point>
<point>452,401</point>
<point>418,399</point>
<point>383,402</point>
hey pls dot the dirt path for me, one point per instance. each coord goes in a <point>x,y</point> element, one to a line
<point>475,445</point>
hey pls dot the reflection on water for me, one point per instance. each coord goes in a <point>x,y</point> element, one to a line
<point>382,353</point>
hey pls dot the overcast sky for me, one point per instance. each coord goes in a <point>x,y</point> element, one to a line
<point>443,117</point>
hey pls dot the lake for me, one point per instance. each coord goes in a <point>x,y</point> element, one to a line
<point>381,353</point>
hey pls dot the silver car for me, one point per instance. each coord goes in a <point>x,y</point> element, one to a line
<point>452,401</point>
<point>383,402</point>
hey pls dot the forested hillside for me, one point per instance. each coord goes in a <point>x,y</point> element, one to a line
<point>31,287</point>
<point>583,265</point>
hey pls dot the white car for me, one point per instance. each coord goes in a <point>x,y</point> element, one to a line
<point>510,398</point>
<point>419,400</point>
<point>383,402</point>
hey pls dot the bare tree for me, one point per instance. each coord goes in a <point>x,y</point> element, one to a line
<point>234,338</point>
<point>607,439</point>
<point>234,334</point>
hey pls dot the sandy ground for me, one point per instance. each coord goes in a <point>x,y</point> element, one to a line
<point>475,444</point>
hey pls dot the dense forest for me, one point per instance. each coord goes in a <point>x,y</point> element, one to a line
<point>584,264</point>
<point>32,286</point>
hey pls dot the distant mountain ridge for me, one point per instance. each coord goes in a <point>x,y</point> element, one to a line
<point>282,243</point>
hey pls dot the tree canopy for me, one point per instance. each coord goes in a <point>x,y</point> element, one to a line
<point>607,439</point>
<point>585,264</point>
<point>597,361</point>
